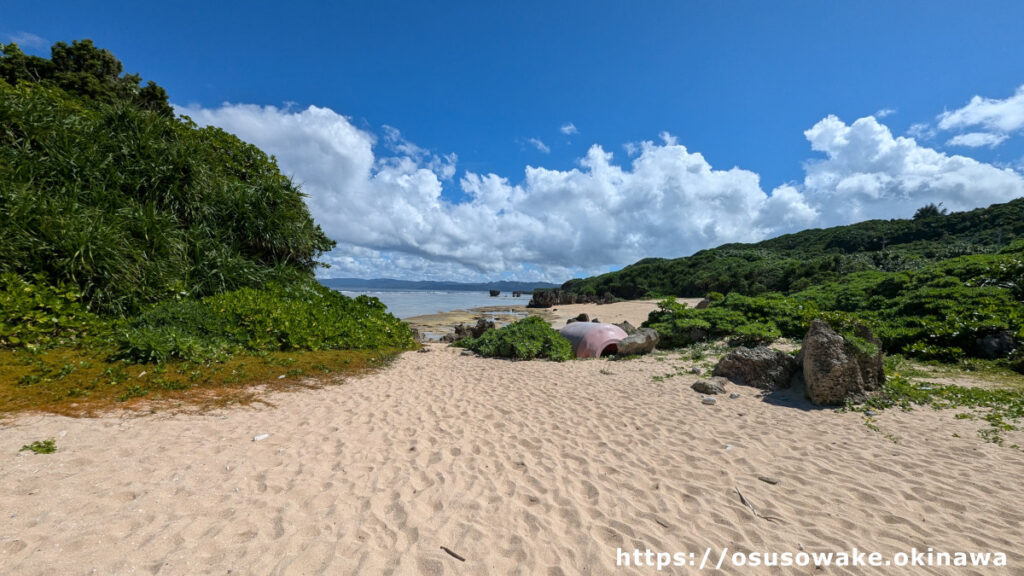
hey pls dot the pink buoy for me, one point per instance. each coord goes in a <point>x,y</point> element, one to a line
<point>592,339</point>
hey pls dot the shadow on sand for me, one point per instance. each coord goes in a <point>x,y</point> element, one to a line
<point>793,397</point>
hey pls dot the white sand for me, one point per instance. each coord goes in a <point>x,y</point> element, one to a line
<point>520,467</point>
<point>634,311</point>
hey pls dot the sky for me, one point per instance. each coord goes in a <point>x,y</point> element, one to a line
<point>547,140</point>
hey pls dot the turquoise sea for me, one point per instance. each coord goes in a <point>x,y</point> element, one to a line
<point>408,303</point>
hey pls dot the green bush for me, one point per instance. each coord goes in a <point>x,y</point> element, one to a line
<point>754,334</point>
<point>938,312</point>
<point>131,207</point>
<point>525,339</point>
<point>299,315</point>
<point>48,446</point>
<point>35,315</point>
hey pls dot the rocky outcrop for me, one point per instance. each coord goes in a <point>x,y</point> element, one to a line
<point>702,304</point>
<point>583,317</point>
<point>549,298</point>
<point>627,327</point>
<point>642,341</point>
<point>998,345</point>
<point>761,367</point>
<point>712,386</point>
<point>836,370</point>
<point>468,331</point>
<point>495,293</point>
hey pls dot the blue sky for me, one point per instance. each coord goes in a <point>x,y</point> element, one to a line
<point>471,140</point>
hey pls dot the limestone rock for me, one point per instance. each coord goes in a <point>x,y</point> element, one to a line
<point>627,327</point>
<point>712,386</point>
<point>760,367</point>
<point>835,370</point>
<point>642,341</point>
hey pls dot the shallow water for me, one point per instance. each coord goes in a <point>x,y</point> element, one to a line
<point>408,303</point>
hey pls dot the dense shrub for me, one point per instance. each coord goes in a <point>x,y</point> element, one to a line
<point>299,315</point>
<point>938,312</point>
<point>35,315</point>
<point>525,339</point>
<point>130,206</point>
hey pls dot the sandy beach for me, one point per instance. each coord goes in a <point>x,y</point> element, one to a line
<point>433,326</point>
<point>516,467</point>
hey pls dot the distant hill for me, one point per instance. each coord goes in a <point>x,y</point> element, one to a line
<point>794,262</point>
<point>392,284</point>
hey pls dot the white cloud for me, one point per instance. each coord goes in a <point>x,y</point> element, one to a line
<point>28,40</point>
<point>870,174</point>
<point>382,201</point>
<point>977,140</point>
<point>921,131</point>
<point>569,128</point>
<point>539,145</point>
<point>884,112</point>
<point>1003,116</point>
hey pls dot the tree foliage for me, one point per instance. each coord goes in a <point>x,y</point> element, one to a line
<point>86,71</point>
<point>942,311</point>
<point>126,229</point>
<point>794,262</point>
<point>132,207</point>
<point>930,211</point>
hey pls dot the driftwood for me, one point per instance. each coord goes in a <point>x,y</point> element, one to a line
<point>453,554</point>
<point>745,502</point>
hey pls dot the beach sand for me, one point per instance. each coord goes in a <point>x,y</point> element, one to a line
<point>518,467</point>
<point>635,311</point>
<point>433,326</point>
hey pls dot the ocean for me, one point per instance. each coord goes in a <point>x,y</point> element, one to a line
<point>409,303</point>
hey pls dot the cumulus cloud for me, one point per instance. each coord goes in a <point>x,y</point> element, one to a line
<point>569,128</point>
<point>381,198</point>
<point>539,145</point>
<point>867,173</point>
<point>1002,116</point>
<point>977,140</point>
<point>884,112</point>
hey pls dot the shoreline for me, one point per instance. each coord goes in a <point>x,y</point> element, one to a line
<point>433,326</point>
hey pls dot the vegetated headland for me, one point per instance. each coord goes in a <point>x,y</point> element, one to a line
<point>943,287</point>
<point>144,256</point>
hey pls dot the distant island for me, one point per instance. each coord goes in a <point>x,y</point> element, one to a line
<point>392,284</point>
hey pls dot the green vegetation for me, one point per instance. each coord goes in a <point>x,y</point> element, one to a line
<point>524,339</point>
<point>132,207</point>
<point>128,236</point>
<point>1001,408</point>
<point>932,287</point>
<point>48,446</point>
<point>942,311</point>
<point>795,262</point>
<point>78,381</point>
<point>301,315</point>
<point>86,71</point>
